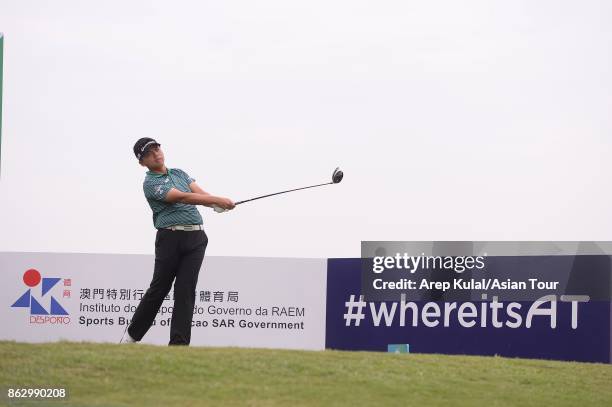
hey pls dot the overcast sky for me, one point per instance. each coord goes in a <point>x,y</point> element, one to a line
<point>472,120</point>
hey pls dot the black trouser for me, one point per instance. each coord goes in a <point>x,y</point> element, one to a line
<point>178,254</point>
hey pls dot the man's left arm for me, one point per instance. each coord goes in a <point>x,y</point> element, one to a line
<point>196,188</point>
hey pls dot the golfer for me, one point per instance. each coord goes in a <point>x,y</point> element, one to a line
<point>180,243</point>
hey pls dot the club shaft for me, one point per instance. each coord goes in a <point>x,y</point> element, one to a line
<point>282,192</point>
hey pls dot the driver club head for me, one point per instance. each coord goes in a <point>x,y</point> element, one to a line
<point>337,176</point>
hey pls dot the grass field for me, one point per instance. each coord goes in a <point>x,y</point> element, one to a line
<point>146,375</point>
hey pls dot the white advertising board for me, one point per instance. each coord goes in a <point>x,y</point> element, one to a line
<point>240,301</point>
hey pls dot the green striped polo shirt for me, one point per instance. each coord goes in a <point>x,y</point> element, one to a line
<point>156,187</point>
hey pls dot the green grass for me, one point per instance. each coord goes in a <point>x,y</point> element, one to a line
<point>145,375</point>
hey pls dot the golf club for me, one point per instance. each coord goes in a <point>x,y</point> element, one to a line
<point>336,178</point>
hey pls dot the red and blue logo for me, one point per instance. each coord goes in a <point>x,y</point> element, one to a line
<point>32,279</point>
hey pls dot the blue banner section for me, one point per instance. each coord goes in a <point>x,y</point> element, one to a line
<point>553,327</point>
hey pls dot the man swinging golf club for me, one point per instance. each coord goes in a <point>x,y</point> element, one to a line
<point>180,243</point>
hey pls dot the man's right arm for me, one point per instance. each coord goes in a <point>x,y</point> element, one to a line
<point>174,195</point>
